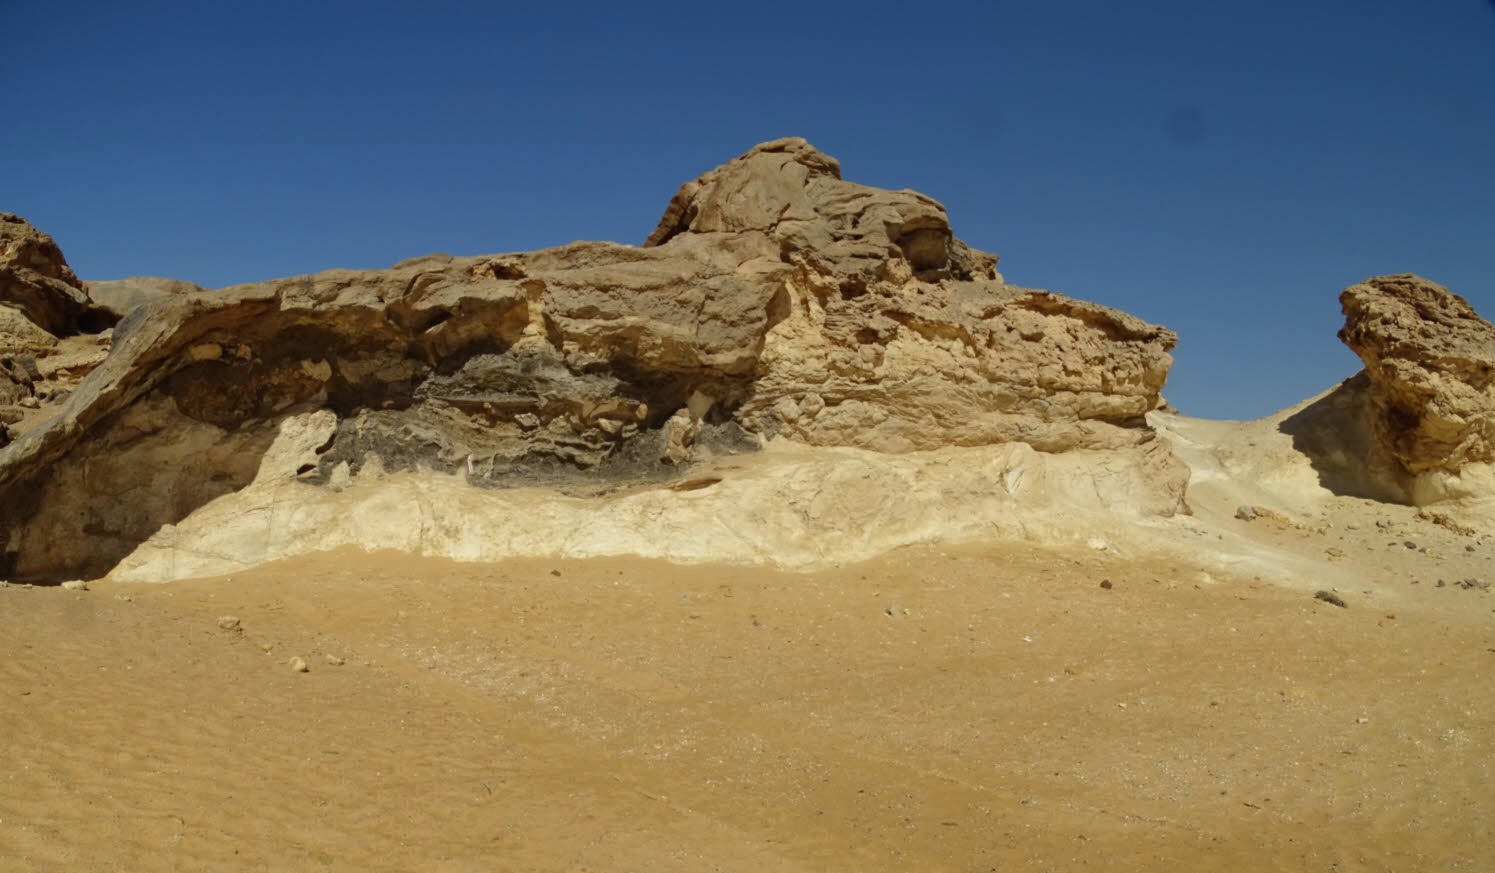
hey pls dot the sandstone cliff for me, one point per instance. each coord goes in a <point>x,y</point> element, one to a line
<point>774,299</point>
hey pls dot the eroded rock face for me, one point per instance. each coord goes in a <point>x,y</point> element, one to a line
<point>36,279</point>
<point>774,299</point>
<point>1430,368</point>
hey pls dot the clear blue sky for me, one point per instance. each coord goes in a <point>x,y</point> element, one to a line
<point>1221,168</point>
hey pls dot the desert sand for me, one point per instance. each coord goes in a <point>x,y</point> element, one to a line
<point>989,706</point>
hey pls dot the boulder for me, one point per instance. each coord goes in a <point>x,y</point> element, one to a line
<point>36,280</point>
<point>773,300</point>
<point>1429,384</point>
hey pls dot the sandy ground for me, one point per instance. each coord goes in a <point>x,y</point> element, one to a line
<point>975,708</point>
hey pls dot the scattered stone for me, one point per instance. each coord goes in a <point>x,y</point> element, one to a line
<point>4,584</point>
<point>299,665</point>
<point>1471,582</point>
<point>893,609</point>
<point>124,598</point>
<point>1106,584</point>
<point>264,646</point>
<point>1469,548</point>
<point>1334,552</point>
<point>1330,597</point>
<point>1440,583</point>
<point>334,660</point>
<point>1362,720</point>
<point>75,585</point>
<point>1245,513</point>
<point>230,623</point>
<point>555,572</point>
<point>1411,545</point>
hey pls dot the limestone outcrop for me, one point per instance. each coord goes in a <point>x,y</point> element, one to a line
<point>774,300</point>
<point>1429,384</point>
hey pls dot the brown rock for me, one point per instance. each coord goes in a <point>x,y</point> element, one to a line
<point>36,280</point>
<point>774,299</point>
<point>1430,370</point>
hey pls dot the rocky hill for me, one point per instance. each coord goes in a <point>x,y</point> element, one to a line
<point>775,305</point>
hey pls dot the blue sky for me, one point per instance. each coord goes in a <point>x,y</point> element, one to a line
<point>1221,168</point>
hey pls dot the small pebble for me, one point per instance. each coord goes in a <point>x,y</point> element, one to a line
<point>75,585</point>
<point>334,660</point>
<point>299,665</point>
<point>1362,720</point>
<point>1106,584</point>
<point>1334,552</point>
<point>1409,544</point>
<point>229,623</point>
<point>555,572</point>
<point>1245,513</point>
<point>1469,548</point>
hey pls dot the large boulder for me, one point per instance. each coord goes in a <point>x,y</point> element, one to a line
<point>774,299</point>
<point>1429,384</point>
<point>36,280</point>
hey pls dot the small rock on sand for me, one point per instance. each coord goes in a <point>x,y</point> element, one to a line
<point>1330,597</point>
<point>75,585</point>
<point>229,623</point>
<point>334,660</point>
<point>299,665</point>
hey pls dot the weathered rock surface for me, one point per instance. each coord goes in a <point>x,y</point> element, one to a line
<point>774,299</point>
<point>1430,384</point>
<point>36,279</point>
<point>790,505</point>
<point>119,296</point>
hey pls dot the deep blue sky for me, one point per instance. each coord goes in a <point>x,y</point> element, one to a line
<point>1221,168</point>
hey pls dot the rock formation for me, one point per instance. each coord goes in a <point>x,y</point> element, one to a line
<point>36,279</point>
<point>774,299</point>
<point>1417,425</point>
<point>1430,383</point>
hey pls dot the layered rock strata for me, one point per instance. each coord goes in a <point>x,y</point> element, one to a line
<point>774,299</point>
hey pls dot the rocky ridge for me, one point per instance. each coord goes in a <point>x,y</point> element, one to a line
<point>612,393</point>
<point>774,299</point>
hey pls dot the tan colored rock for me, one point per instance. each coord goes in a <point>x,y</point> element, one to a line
<point>774,300</point>
<point>120,296</point>
<point>36,279</point>
<point>1430,370</point>
<point>19,335</point>
<point>892,334</point>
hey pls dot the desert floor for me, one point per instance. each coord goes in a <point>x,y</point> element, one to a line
<point>983,707</point>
